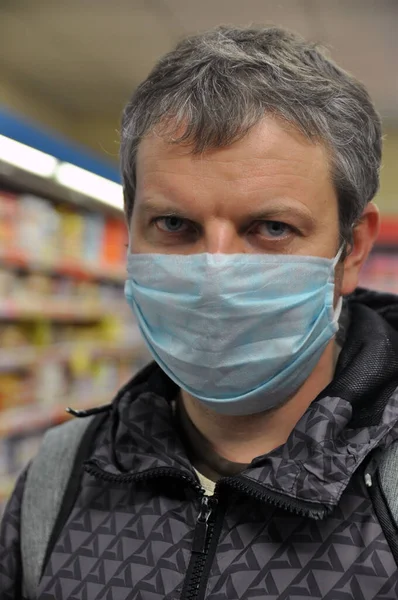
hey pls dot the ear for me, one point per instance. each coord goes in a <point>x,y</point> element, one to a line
<point>364,236</point>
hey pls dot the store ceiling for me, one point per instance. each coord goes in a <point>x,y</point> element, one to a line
<point>86,56</point>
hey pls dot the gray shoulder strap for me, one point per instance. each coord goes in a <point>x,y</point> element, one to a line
<point>388,473</point>
<point>46,483</point>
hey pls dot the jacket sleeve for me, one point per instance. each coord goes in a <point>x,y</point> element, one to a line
<point>10,551</point>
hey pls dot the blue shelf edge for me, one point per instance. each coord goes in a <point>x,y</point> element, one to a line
<point>22,130</point>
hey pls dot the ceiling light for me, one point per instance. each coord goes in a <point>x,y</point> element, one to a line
<point>26,158</point>
<point>89,184</point>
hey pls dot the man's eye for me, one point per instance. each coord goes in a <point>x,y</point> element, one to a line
<point>171,224</point>
<point>274,229</point>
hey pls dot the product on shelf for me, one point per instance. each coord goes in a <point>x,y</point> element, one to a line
<point>71,235</point>
<point>15,391</point>
<point>93,239</point>
<point>115,240</point>
<point>67,336</point>
<point>37,229</point>
<point>36,234</point>
<point>9,206</point>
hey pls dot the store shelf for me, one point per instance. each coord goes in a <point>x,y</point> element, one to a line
<point>18,358</point>
<point>66,268</point>
<point>23,420</point>
<point>22,181</point>
<point>32,420</point>
<point>29,356</point>
<point>62,268</point>
<point>50,309</point>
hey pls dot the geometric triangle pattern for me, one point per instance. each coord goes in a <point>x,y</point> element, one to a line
<point>10,562</point>
<point>283,557</point>
<point>325,559</point>
<point>286,557</point>
<point>322,453</point>
<point>139,550</point>
<point>138,546</point>
<point>130,538</point>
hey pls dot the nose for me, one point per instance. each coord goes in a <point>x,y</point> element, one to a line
<point>222,237</point>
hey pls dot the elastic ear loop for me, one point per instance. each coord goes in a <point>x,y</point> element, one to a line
<point>338,309</point>
<point>339,306</point>
<point>338,255</point>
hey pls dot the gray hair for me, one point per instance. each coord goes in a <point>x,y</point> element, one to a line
<point>214,87</point>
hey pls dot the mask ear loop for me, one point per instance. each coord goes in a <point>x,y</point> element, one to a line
<point>339,255</point>
<point>337,310</point>
<point>343,246</point>
<point>339,305</point>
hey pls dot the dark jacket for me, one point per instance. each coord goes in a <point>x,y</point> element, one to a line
<point>298,523</point>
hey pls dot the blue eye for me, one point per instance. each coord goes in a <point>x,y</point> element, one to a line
<point>274,229</point>
<point>170,224</point>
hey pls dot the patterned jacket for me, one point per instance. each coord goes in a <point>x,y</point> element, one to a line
<point>304,521</point>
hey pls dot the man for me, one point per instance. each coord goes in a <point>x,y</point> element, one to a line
<point>241,463</point>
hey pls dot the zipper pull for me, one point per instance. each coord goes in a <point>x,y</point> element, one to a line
<point>202,526</point>
<point>372,467</point>
<point>368,480</point>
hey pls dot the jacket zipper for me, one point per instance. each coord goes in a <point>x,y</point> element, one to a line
<point>200,549</point>
<point>154,473</point>
<point>204,524</point>
<point>259,492</point>
<point>202,527</point>
<point>239,483</point>
<point>194,583</point>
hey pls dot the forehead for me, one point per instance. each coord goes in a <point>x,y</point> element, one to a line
<point>273,160</point>
<point>270,140</point>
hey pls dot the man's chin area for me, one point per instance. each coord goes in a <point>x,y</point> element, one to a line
<point>196,406</point>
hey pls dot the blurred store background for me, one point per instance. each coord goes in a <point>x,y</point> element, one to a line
<point>66,69</point>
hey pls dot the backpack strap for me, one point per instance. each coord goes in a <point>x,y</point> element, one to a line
<point>47,481</point>
<point>388,477</point>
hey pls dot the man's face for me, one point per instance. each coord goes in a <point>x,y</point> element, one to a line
<point>270,192</point>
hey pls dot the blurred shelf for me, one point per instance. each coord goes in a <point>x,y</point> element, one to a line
<point>49,309</point>
<point>34,418</point>
<point>17,358</point>
<point>67,268</point>
<point>21,181</point>
<point>13,359</point>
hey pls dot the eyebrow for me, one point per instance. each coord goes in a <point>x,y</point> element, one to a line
<point>158,208</point>
<point>274,212</point>
<point>278,212</point>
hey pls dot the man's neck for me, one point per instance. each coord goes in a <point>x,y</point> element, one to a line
<point>241,439</point>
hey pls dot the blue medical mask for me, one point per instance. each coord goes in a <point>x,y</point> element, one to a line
<point>240,332</point>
